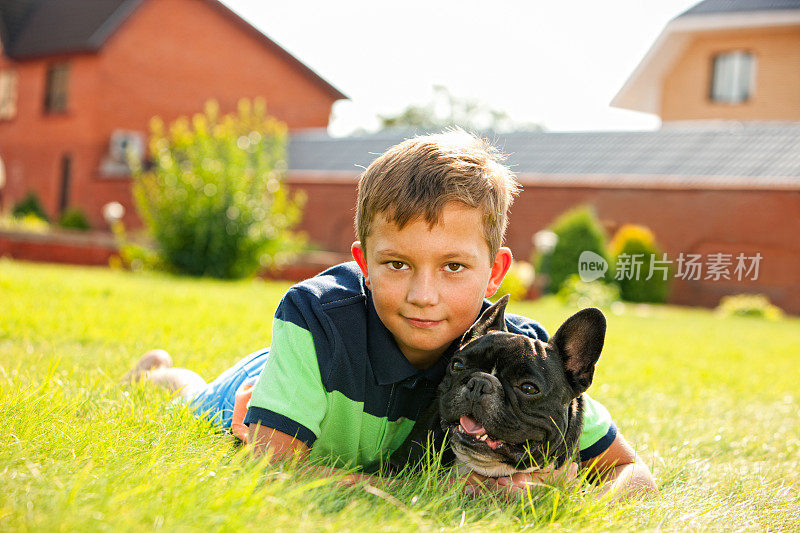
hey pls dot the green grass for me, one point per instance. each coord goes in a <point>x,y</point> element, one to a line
<point>710,403</point>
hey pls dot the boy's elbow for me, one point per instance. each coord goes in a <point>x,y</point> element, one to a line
<point>640,485</point>
<point>646,489</point>
<point>274,444</point>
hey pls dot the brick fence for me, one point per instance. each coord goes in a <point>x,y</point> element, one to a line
<point>685,220</point>
<point>59,246</point>
<point>690,221</point>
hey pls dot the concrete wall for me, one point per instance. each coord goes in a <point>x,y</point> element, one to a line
<point>686,88</point>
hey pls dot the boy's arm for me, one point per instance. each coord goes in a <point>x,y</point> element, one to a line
<point>283,447</point>
<point>624,472</point>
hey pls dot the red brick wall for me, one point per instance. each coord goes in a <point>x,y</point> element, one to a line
<point>167,59</point>
<point>33,143</point>
<point>689,221</point>
<point>70,247</point>
<point>330,209</point>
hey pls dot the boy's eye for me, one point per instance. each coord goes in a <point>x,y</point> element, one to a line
<point>454,267</point>
<point>396,265</point>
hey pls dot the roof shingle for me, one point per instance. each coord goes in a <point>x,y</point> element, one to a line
<point>738,6</point>
<point>53,27</point>
<point>749,154</point>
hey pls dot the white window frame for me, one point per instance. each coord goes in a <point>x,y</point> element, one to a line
<point>8,94</point>
<point>733,77</point>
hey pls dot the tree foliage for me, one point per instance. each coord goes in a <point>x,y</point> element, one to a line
<point>213,198</point>
<point>30,205</point>
<point>634,249</point>
<point>578,230</point>
<point>447,110</point>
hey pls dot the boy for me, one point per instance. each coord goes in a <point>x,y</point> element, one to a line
<point>358,351</point>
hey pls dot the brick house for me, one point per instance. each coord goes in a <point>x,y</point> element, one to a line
<point>80,78</point>
<point>722,176</point>
<point>722,60</point>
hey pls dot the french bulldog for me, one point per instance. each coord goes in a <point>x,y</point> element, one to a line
<point>509,403</point>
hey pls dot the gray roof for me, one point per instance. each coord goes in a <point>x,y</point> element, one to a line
<point>33,28</point>
<point>735,6</point>
<point>39,28</point>
<point>750,154</point>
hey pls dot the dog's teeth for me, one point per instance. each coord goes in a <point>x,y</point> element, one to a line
<point>483,437</point>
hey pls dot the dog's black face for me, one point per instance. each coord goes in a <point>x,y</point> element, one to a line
<point>511,403</point>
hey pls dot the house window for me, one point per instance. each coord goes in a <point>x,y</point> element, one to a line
<point>55,96</point>
<point>8,94</point>
<point>733,78</point>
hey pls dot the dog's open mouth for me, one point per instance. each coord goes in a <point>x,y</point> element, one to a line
<point>470,429</point>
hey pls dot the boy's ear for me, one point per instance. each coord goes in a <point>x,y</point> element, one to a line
<point>500,265</point>
<point>358,254</point>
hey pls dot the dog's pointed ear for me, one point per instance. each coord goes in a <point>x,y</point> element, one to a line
<point>579,342</point>
<point>493,319</point>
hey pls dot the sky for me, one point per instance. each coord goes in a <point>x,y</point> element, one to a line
<point>554,63</point>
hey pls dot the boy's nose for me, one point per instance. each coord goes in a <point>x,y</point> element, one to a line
<point>423,291</point>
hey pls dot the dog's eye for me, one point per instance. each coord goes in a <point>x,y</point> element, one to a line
<point>457,365</point>
<point>529,388</point>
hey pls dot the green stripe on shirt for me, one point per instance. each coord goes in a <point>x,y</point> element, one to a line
<point>596,422</point>
<point>290,383</point>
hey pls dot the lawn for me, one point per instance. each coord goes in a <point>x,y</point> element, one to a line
<point>710,403</point>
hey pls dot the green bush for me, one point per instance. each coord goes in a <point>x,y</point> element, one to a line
<point>74,218</point>
<point>755,305</point>
<point>579,293</point>
<point>634,244</point>
<point>29,223</point>
<point>516,283</point>
<point>213,199</point>
<point>578,230</point>
<point>29,205</point>
<point>134,256</point>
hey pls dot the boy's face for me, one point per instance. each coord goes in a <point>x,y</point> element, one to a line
<point>428,283</point>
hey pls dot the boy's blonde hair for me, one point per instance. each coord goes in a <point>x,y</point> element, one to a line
<point>418,177</point>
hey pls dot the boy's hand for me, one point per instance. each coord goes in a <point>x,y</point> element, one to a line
<point>518,483</point>
<point>241,399</point>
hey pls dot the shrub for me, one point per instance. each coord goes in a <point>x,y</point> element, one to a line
<point>134,256</point>
<point>578,230</point>
<point>74,218</point>
<point>634,244</point>
<point>755,305</point>
<point>29,223</point>
<point>29,205</point>
<point>516,283</point>
<point>579,293</point>
<point>213,198</point>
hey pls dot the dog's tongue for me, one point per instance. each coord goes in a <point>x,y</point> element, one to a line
<point>471,426</point>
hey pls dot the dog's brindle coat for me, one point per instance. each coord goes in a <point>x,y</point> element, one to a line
<point>509,403</point>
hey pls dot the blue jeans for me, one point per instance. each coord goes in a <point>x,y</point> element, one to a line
<point>215,401</point>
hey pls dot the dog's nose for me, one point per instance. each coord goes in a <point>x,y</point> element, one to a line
<point>479,385</point>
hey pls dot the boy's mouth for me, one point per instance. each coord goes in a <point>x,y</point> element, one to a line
<point>421,322</point>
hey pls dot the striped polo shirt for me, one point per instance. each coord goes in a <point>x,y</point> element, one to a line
<point>336,379</point>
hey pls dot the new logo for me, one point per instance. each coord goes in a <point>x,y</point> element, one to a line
<point>591,266</point>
